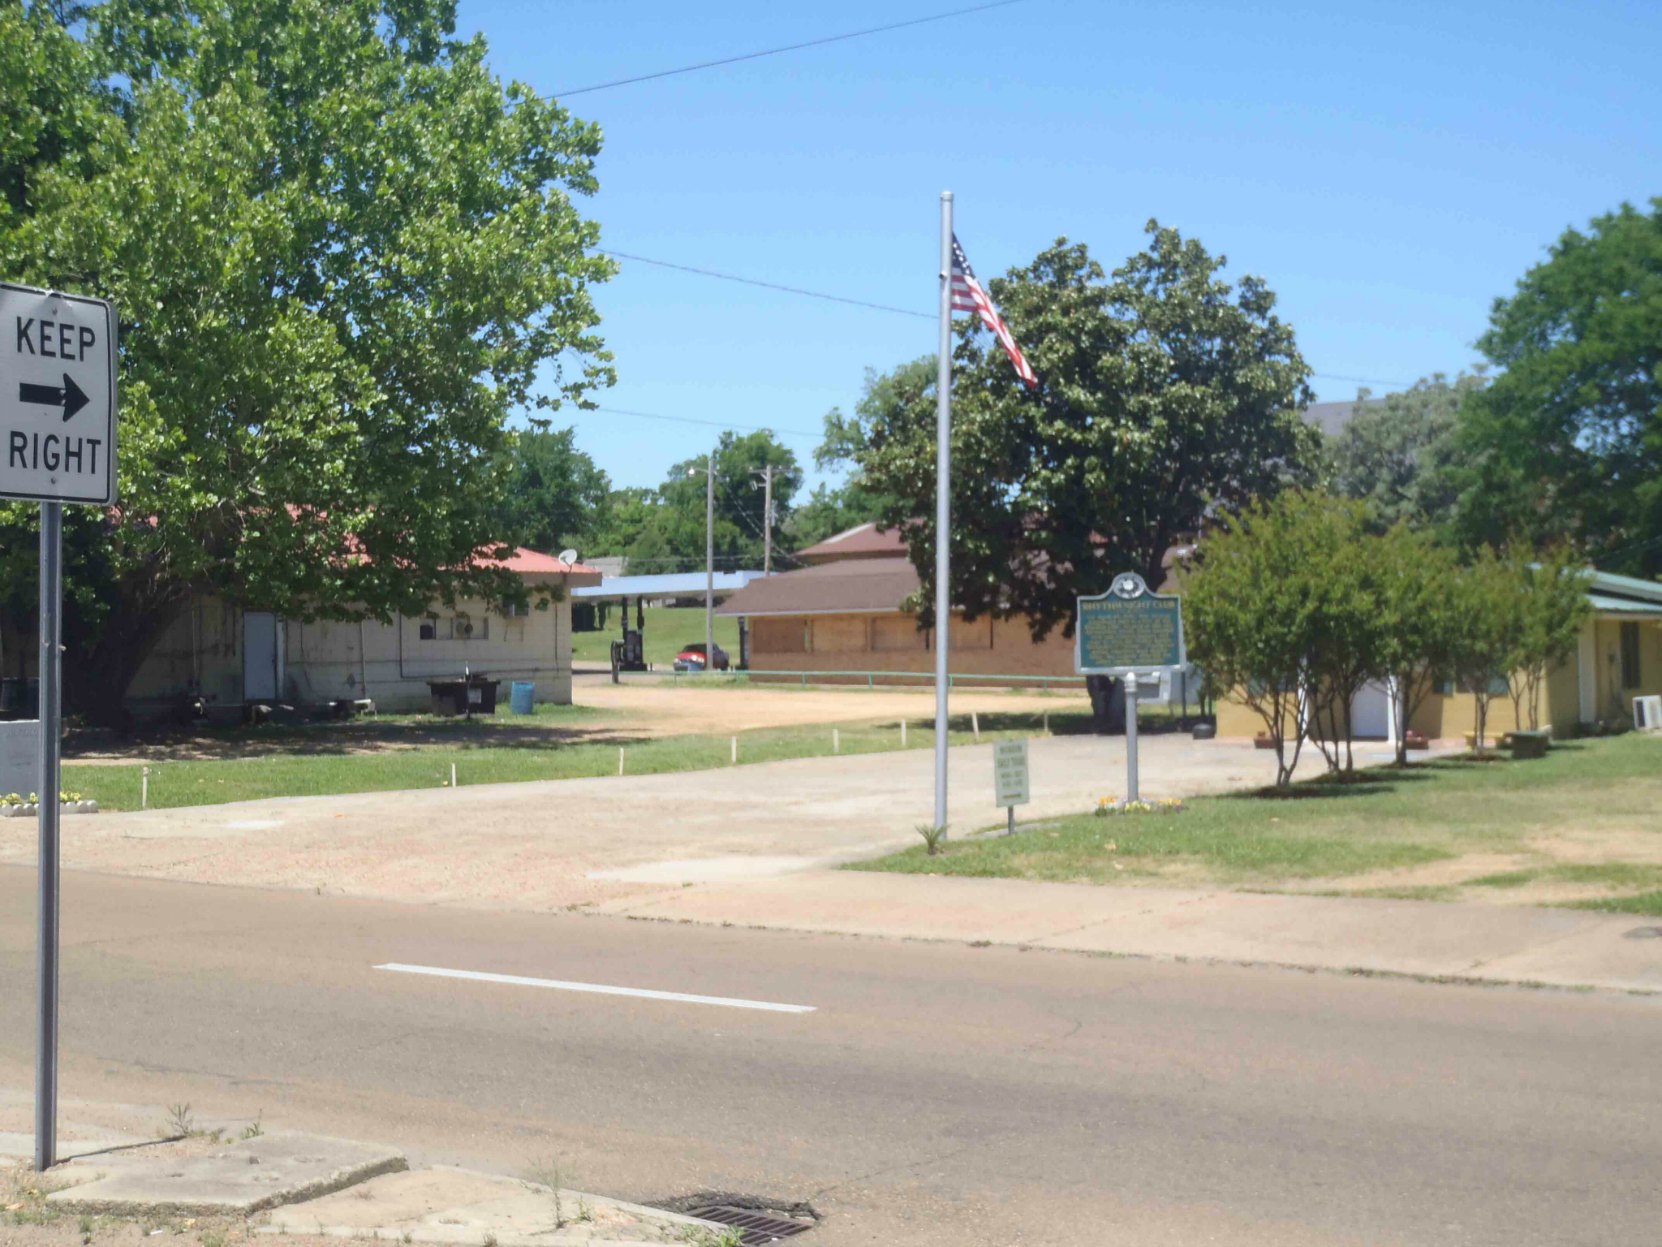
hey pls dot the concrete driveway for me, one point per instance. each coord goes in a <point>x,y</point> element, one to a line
<point>549,845</point>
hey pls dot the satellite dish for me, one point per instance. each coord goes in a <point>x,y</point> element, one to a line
<point>568,557</point>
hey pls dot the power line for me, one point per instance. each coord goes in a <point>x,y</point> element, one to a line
<point>770,285</point>
<point>790,47</point>
<point>899,311</point>
<point>1334,376</point>
<point>715,424</point>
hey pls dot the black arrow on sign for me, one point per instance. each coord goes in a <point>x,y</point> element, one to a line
<point>69,396</point>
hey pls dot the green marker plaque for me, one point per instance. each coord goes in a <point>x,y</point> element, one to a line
<point>1128,629</point>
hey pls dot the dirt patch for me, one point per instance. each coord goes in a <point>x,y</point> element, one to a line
<point>667,709</point>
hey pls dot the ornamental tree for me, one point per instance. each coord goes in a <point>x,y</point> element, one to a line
<point>1553,607</point>
<point>1253,612</point>
<point>1417,604</point>
<point>342,251</point>
<point>1489,600</point>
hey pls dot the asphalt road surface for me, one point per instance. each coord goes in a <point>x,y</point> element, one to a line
<point>936,1094</point>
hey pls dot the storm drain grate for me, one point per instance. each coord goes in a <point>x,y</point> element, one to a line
<point>758,1229</point>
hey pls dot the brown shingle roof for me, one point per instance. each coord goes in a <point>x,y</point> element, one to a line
<point>860,584</point>
<point>867,541</point>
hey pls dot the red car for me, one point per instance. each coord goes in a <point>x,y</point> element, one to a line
<point>691,658</point>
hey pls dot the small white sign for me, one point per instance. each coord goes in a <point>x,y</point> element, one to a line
<point>1010,772</point>
<point>57,396</point>
<point>19,757</point>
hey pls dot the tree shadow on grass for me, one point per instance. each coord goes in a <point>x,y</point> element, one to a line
<point>342,738</point>
<point>1372,782</point>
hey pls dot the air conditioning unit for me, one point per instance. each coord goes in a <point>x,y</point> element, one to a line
<point>1647,713</point>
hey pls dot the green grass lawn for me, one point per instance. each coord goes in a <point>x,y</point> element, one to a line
<point>487,754</point>
<point>1389,820</point>
<point>666,630</point>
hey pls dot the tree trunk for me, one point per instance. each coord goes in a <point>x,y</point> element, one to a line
<point>98,670</point>
<point>1107,704</point>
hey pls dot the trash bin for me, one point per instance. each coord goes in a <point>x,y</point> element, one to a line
<point>522,697</point>
<point>463,695</point>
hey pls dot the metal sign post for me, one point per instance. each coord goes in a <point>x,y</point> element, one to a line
<point>51,707</point>
<point>57,445</point>
<point>1130,633</point>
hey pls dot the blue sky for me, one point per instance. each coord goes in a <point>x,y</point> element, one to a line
<point>1388,168</point>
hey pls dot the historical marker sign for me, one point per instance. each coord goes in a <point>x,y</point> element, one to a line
<point>1128,629</point>
<point>57,396</point>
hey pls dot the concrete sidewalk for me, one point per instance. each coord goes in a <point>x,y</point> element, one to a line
<point>1467,943</point>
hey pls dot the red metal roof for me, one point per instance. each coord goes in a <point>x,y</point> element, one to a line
<point>526,562</point>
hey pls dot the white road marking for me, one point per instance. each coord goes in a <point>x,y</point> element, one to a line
<point>599,989</point>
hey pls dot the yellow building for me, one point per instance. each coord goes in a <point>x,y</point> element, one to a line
<point>1618,658</point>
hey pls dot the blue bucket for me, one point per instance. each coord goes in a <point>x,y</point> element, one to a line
<point>523,695</point>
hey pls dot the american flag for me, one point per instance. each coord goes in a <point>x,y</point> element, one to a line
<point>968,296</point>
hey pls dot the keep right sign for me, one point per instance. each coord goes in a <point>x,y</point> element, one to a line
<point>57,396</point>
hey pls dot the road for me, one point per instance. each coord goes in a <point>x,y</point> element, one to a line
<point>937,1094</point>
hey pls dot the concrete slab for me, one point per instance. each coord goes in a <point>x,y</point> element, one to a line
<point>445,1205</point>
<point>244,1177</point>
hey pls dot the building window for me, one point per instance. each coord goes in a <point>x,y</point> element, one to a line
<point>1498,687</point>
<point>458,627</point>
<point>1630,656</point>
<point>516,610</point>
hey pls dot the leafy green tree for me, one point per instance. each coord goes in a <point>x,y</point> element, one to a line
<point>1566,444</point>
<point>1489,612</point>
<point>342,252</point>
<point>1553,607</point>
<point>626,515</point>
<point>1346,653</point>
<point>1253,612</point>
<point>1417,617</point>
<point>1396,456</point>
<point>555,495</point>
<point>1165,393</point>
<point>834,509</point>
<point>673,537</point>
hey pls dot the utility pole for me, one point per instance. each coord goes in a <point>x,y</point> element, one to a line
<point>767,472</point>
<point>709,470</point>
<point>767,520</point>
<point>710,565</point>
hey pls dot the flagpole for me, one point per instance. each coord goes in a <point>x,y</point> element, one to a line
<point>943,509</point>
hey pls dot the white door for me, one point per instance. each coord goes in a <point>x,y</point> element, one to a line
<point>1370,713</point>
<point>262,659</point>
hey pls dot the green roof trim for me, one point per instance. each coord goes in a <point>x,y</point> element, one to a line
<point>1604,604</point>
<point>1625,586</point>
